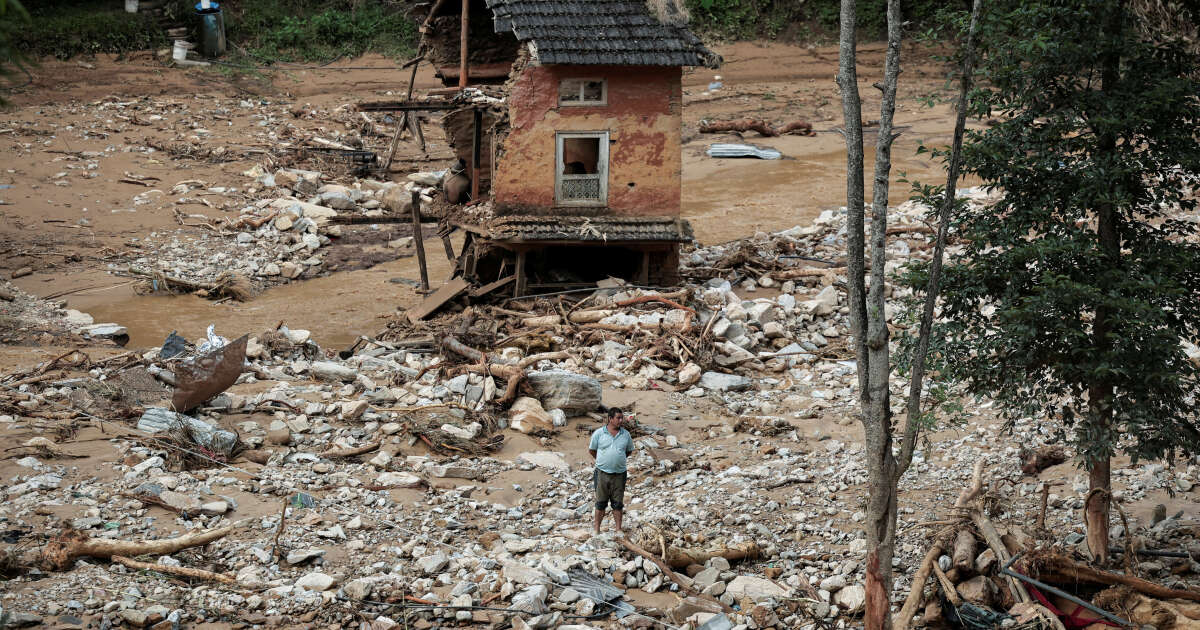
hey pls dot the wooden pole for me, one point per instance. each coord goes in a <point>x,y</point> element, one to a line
<point>476,149</point>
<point>418,239</point>
<point>519,288</point>
<point>462,44</point>
<point>412,80</point>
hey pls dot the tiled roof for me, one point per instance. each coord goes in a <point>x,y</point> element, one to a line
<point>600,32</point>
<point>601,229</point>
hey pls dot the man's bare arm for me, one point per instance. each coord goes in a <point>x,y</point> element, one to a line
<point>593,453</point>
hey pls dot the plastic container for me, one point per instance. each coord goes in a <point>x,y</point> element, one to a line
<point>211,29</point>
<point>179,50</point>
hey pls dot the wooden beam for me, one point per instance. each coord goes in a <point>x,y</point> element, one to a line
<point>520,275</point>
<point>406,106</point>
<point>462,43</point>
<point>419,239</point>
<point>476,141</point>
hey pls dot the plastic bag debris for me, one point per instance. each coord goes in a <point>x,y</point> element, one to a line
<point>173,346</point>
<point>213,341</point>
<point>159,420</point>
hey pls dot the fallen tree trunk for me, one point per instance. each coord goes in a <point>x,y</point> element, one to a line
<point>1055,567</point>
<point>61,552</point>
<point>741,125</point>
<point>680,558</point>
<point>199,574</point>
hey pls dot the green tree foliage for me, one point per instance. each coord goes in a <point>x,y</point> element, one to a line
<point>1079,284</point>
<point>13,18</point>
<point>746,19</point>
<point>304,30</point>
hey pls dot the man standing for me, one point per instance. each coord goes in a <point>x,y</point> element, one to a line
<point>609,446</point>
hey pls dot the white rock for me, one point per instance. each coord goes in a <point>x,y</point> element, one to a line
<point>398,480</point>
<point>315,581</point>
<point>851,598</point>
<point>545,459</point>
<point>756,588</point>
<point>330,371</point>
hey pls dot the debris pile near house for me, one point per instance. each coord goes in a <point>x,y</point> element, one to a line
<point>985,576</point>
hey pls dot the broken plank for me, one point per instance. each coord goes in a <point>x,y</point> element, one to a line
<point>491,286</point>
<point>431,304</point>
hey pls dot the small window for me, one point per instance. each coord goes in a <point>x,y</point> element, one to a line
<point>583,92</point>
<point>582,165</point>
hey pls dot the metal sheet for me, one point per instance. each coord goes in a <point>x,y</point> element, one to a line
<point>720,150</point>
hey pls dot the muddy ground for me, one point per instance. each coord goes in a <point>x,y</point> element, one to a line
<point>72,228</point>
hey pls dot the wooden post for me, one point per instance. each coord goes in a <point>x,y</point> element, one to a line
<point>476,149</point>
<point>449,248</point>
<point>519,289</point>
<point>462,44</point>
<point>418,239</point>
<point>412,80</point>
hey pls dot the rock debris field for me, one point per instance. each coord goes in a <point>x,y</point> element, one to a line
<point>435,475</point>
<point>393,485</point>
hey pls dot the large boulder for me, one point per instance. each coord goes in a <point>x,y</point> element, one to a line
<point>558,389</point>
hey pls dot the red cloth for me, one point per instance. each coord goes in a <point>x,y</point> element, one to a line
<point>1072,621</point>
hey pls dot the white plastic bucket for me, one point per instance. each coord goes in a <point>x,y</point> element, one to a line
<point>180,50</point>
<point>131,6</point>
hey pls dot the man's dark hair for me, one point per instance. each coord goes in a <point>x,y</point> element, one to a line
<point>615,411</point>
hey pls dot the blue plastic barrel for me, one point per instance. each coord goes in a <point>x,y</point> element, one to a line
<point>212,29</point>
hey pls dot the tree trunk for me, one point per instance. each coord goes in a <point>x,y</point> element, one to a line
<point>868,323</point>
<point>1099,423</point>
<point>912,422</point>
<point>877,412</point>
<point>847,80</point>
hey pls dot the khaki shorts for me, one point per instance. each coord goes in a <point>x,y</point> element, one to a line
<point>610,489</point>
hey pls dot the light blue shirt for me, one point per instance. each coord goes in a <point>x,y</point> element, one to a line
<point>611,450</point>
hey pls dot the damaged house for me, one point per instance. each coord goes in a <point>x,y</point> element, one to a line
<point>570,144</point>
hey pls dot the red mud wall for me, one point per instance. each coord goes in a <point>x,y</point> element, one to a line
<point>644,124</point>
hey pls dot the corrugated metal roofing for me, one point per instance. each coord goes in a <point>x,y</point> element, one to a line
<point>600,32</point>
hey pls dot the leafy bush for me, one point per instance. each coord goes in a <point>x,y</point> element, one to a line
<point>65,29</point>
<point>303,30</point>
<point>287,30</point>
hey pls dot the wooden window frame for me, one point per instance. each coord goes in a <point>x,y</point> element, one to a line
<point>601,168</point>
<point>582,84</point>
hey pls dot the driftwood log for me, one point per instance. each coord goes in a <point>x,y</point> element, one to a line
<point>351,452</point>
<point>1056,567</point>
<point>197,574</point>
<point>759,125</point>
<point>61,552</point>
<point>904,618</point>
<point>963,557</point>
